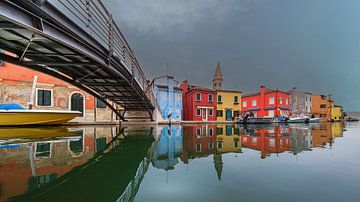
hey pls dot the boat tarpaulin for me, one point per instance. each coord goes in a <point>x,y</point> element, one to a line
<point>11,106</point>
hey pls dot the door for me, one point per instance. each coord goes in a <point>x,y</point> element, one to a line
<point>204,114</point>
<point>77,103</point>
<point>271,113</point>
<point>228,115</point>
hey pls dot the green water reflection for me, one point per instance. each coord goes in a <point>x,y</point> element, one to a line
<point>181,163</point>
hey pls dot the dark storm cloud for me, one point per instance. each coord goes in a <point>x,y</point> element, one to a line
<point>312,44</point>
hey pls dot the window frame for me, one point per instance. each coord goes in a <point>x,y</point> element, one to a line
<point>196,97</point>
<point>252,103</point>
<point>236,99</point>
<point>271,100</point>
<point>244,104</point>
<point>198,109</point>
<point>219,99</point>
<point>96,104</point>
<point>212,98</point>
<point>51,97</point>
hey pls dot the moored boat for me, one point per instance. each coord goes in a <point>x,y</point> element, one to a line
<point>256,120</point>
<point>314,120</point>
<point>15,115</point>
<point>304,119</point>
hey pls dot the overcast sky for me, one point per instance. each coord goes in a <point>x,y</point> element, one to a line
<point>312,44</point>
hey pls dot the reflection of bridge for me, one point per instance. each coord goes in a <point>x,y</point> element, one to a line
<point>78,42</point>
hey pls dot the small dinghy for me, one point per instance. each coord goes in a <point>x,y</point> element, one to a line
<point>303,119</point>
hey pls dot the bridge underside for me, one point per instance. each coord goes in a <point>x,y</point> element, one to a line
<point>38,45</point>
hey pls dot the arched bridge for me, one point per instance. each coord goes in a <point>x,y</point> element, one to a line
<point>79,42</point>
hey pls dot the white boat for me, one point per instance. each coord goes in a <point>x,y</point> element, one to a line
<point>314,120</point>
<point>303,119</point>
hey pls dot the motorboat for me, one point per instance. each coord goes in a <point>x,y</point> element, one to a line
<point>16,115</point>
<point>314,120</point>
<point>303,119</point>
<point>256,120</point>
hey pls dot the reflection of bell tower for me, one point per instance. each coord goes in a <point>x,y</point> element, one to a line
<point>218,78</point>
<point>218,163</point>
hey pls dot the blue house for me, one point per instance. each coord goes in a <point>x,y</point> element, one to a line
<point>169,97</point>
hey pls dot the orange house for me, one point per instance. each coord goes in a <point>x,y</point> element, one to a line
<point>321,107</point>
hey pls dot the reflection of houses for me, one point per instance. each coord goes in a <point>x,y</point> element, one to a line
<point>169,97</point>
<point>274,139</point>
<point>337,129</point>
<point>16,85</point>
<point>28,166</point>
<point>199,141</point>
<point>168,148</point>
<point>301,139</point>
<point>227,139</point>
<point>322,135</point>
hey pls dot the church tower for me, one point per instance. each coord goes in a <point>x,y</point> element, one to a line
<point>218,78</point>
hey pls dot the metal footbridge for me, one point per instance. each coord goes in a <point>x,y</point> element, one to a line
<point>79,42</point>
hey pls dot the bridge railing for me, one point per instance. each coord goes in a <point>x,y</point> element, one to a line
<point>93,17</point>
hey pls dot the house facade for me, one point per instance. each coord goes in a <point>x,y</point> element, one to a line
<point>300,102</point>
<point>228,105</point>
<point>267,103</point>
<point>169,97</point>
<point>16,84</point>
<point>337,113</point>
<point>322,107</point>
<point>199,103</point>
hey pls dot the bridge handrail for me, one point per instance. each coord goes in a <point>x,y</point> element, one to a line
<point>93,16</point>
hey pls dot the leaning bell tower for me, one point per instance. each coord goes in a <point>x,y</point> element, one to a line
<point>218,78</point>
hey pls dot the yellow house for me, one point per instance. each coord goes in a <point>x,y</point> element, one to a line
<point>228,105</point>
<point>336,113</point>
<point>227,139</point>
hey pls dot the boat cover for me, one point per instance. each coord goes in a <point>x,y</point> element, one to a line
<point>11,106</point>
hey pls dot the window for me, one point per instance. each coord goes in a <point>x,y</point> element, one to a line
<point>211,132</point>
<point>44,97</point>
<point>43,150</point>
<point>198,147</point>
<point>323,106</point>
<point>244,104</point>
<point>236,99</point>
<point>271,100</point>
<point>210,112</point>
<point>198,112</point>
<point>253,103</point>
<point>198,97</point>
<point>100,104</point>
<point>198,132</point>
<point>219,113</point>
<point>236,144</point>
<point>236,113</point>
<point>219,98</point>
<point>220,144</point>
<point>287,101</point>
<point>211,98</point>
<point>211,145</point>
<point>271,113</point>
<point>219,131</point>
<point>281,100</point>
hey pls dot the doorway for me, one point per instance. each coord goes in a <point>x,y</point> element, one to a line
<point>204,114</point>
<point>77,103</point>
<point>228,115</point>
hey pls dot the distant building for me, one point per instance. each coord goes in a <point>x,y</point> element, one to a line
<point>322,107</point>
<point>267,103</point>
<point>199,103</point>
<point>337,113</point>
<point>16,84</point>
<point>300,102</point>
<point>169,97</point>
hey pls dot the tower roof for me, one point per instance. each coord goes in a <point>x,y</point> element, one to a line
<point>218,73</point>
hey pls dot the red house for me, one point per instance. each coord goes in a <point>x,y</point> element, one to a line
<point>199,104</point>
<point>267,103</point>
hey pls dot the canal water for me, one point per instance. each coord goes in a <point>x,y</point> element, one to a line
<point>297,162</point>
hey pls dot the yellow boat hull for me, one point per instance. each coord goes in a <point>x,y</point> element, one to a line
<point>35,133</point>
<point>32,117</point>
